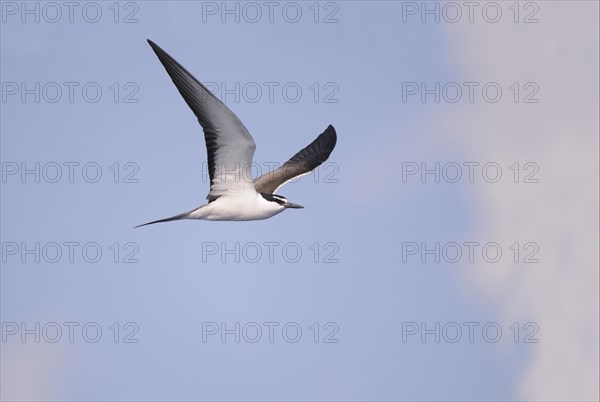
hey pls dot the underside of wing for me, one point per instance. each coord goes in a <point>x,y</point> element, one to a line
<point>229,145</point>
<point>300,164</point>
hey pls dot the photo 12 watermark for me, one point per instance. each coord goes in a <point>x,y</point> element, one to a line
<point>472,252</point>
<point>327,173</point>
<point>270,12</point>
<point>70,332</point>
<point>69,252</point>
<point>469,332</point>
<point>270,332</point>
<point>70,12</point>
<point>89,92</point>
<point>470,12</point>
<point>470,172</point>
<point>275,91</point>
<point>489,92</point>
<point>270,252</point>
<point>35,172</point>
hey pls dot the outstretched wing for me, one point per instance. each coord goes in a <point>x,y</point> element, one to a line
<point>229,145</point>
<point>300,164</point>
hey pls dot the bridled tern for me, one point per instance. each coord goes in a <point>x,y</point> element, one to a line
<point>233,196</point>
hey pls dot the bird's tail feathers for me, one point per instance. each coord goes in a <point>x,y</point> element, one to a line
<point>184,215</point>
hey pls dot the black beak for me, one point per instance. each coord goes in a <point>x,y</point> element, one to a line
<point>290,205</point>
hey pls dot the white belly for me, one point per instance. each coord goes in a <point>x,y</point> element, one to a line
<point>247,207</point>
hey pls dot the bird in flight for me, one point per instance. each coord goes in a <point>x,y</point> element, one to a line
<point>233,196</point>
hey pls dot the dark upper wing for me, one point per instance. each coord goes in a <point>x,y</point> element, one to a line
<point>300,164</point>
<point>229,145</point>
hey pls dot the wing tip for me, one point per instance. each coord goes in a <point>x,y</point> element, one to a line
<point>157,49</point>
<point>331,135</point>
<point>330,130</point>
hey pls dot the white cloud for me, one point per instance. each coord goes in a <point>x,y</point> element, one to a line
<point>560,133</point>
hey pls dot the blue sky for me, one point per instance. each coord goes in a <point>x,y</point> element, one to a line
<point>359,216</point>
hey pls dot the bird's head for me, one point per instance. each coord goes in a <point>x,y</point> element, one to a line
<point>280,200</point>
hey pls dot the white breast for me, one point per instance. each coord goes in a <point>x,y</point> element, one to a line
<point>239,207</point>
